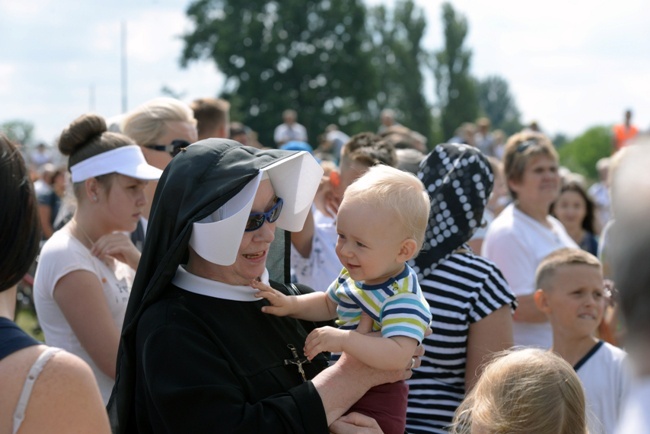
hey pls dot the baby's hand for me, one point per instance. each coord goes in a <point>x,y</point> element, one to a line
<point>325,339</point>
<point>281,305</point>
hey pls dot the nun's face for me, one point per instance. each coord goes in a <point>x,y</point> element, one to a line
<point>254,248</point>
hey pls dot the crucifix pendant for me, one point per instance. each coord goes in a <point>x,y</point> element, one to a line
<point>297,360</point>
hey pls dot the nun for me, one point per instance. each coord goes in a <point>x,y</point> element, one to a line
<point>196,352</point>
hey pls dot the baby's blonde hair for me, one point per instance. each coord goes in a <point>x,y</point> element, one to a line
<point>524,391</point>
<point>390,189</point>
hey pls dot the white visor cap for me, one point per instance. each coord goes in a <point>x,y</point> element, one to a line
<point>125,160</point>
<point>295,179</point>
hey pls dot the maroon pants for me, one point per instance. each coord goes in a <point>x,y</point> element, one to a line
<point>387,405</point>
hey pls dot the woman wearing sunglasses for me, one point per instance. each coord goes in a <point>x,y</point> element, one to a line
<point>197,353</point>
<point>162,127</point>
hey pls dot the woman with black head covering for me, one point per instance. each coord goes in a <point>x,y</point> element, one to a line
<point>197,354</point>
<point>470,300</point>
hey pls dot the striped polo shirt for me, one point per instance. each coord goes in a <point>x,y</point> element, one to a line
<point>397,306</point>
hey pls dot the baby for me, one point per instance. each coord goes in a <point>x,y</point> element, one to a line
<point>381,224</point>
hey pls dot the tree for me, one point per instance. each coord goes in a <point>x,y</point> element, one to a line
<point>18,131</point>
<point>455,87</point>
<point>172,93</point>
<point>496,102</point>
<point>398,60</point>
<point>581,154</point>
<point>309,55</point>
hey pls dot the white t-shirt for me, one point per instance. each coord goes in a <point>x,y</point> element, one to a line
<point>61,255</point>
<point>286,133</point>
<point>322,267</point>
<point>517,243</point>
<point>600,194</point>
<point>635,417</point>
<point>338,139</point>
<point>606,378</point>
<point>41,188</point>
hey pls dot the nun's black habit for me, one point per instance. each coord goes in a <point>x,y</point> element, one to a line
<point>189,363</point>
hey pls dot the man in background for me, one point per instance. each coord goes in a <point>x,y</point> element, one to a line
<point>290,129</point>
<point>212,117</point>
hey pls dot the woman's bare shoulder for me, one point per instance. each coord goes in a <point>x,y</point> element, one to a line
<point>65,398</point>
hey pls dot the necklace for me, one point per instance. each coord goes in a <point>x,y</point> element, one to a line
<point>97,271</point>
<point>78,226</point>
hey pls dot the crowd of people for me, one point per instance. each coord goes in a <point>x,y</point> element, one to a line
<point>191,279</point>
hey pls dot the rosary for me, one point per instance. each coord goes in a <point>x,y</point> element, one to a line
<point>297,360</point>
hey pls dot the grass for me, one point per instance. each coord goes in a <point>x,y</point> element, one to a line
<point>25,310</point>
<point>26,320</point>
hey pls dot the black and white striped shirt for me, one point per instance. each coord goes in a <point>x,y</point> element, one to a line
<point>461,290</point>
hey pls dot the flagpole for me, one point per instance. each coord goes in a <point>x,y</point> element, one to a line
<point>124,67</point>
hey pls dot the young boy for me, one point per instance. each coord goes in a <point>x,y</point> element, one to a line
<point>572,294</point>
<point>381,224</point>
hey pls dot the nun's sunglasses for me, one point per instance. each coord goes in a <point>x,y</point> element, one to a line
<point>256,219</point>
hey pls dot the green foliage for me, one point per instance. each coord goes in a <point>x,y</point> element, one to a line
<point>398,59</point>
<point>26,320</point>
<point>309,55</point>
<point>560,139</point>
<point>334,61</point>
<point>330,60</point>
<point>18,131</point>
<point>496,102</point>
<point>581,154</point>
<point>456,90</point>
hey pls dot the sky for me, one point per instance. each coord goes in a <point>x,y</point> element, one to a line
<point>570,65</point>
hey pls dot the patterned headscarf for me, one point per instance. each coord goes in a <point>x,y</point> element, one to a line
<point>459,181</point>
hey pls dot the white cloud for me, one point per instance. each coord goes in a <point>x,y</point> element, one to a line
<point>570,65</point>
<point>154,35</point>
<point>10,9</point>
<point>7,71</point>
<point>69,62</point>
<point>107,36</point>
